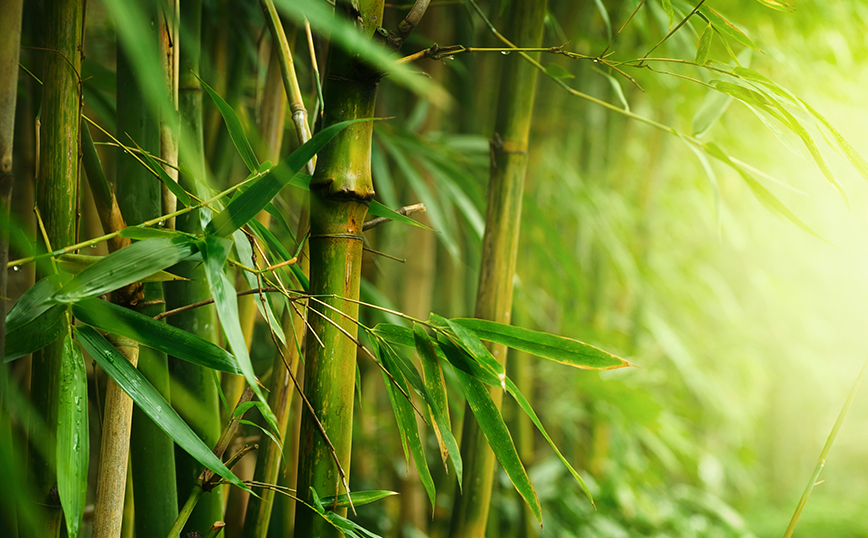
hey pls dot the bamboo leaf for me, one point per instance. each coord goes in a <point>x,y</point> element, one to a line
<point>215,251</point>
<point>726,28</point>
<point>379,210</point>
<point>762,194</point>
<point>406,419</point>
<point>437,400</point>
<point>151,402</point>
<point>246,205</point>
<point>359,498</point>
<point>245,256</point>
<point>670,12</point>
<point>33,302</point>
<point>35,333</point>
<point>512,388</point>
<point>76,263</point>
<point>395,334</point>
<point>139,233</point>
<point>73,445</point>
<point>548,346</point>
<point>474,346</point>
<point>704,48</point>
<point>492,425</point>
<point>170,183</point>
<point>161,336</point>
<point>558,71</point>
<point>125,266</point>
<point>236,131</point>
<point>856,160</point>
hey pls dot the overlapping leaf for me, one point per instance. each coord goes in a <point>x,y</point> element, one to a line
<point>73,439</point>
<point>151,402</point>
<point>155,334</point>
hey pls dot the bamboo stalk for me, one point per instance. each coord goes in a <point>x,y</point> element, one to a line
<point>169,120</point>
<point>340,188</point>
<point>190,378</point>
<point>56,200</point>
<point>152,453</point>
<point>499,252</point>
<point>10,38</point>
<point>258,514</point>
<point>114,451</point>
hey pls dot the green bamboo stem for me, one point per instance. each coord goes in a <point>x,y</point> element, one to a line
<point>340,188</point>
<point>499,252</point>
<point>56,198</point>
<point>190,378</point>
<point>10,38</point>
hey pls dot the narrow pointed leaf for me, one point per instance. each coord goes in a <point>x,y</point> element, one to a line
<point>170,183</point>
<point>73,445</point>
<point>526,407</point>
<point>704,48</point>
<point>125,266</point>
<point>236,131</point>
<point>35,333</point>
<point>150,401</point>
<point>246,205</point>
<point>437,400</point>
<point>76,263</point>
<point>359,498</point>
<point>145,232</point>
<point>726,28</point>
<point>215,250</point>
<point>245,256</point>
<point>155,334</point>
<point>548,346</point>
<point>395,334</point>
<point>670,12</point>
<point>33,302</point>
<point>495,430</point>
<point>762,194</point>
<point>406,419</point>
<point>856,160</point>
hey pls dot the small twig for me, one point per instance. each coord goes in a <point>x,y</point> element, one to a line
<point>630,18</point>
<point>383,254</point>
<point>677,27</point>
<point>406,211</point>
<point>406,27</point>
<point>184,308</point>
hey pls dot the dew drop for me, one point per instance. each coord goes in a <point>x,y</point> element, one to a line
<point>505,52</point>
<point>16,268</point>
<point>159,409</point>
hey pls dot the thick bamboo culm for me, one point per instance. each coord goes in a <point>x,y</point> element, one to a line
<point>56,200</point>
<point>340,188</point>
<point>499,251</point>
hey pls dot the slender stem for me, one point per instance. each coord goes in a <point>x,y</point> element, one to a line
<point>821,461</point>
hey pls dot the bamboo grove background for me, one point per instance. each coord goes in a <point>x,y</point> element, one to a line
<point>745,328</point>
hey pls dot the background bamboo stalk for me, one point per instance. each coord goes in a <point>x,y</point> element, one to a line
<point>56,199</point>
<point>169,39</point>
<point>114,452</point>
<point>193,389</point>
<point>499,251</point>
<point>258,514</point>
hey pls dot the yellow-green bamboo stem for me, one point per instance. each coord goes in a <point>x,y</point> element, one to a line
<point>258,515</point>
<point>499,251</point>
<point>139,199</point>
<point>10,38</point>
<point>169,121</point>
<point>290,80</point>
<point>114,452</point>
<point>56,199</point>
<point>340,189</point>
